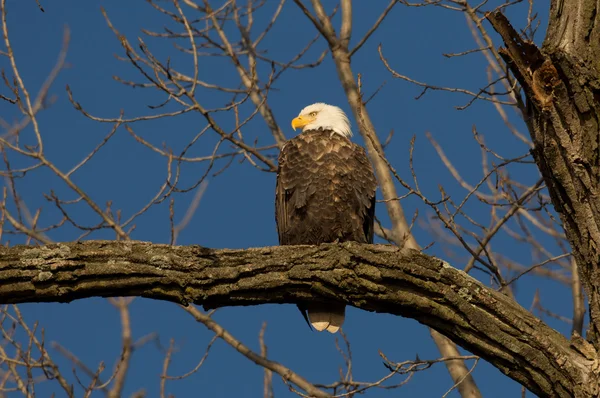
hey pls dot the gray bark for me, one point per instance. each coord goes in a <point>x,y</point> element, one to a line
<point>378,278</point>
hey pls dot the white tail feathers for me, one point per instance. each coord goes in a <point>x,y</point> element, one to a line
<point>328,317</point>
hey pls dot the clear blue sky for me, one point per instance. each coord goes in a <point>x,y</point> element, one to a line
<point>237,210</point>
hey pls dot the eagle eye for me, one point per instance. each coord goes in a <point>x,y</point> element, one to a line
<point>312,114</point>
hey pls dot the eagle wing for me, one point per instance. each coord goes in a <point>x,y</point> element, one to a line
<point>287,179</point>
<point>282,216</point>
<point>365,185</point>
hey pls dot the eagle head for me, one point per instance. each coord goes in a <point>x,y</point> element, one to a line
<point>321,116</point>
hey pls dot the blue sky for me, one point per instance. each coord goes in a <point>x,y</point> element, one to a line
<point>237,209</point>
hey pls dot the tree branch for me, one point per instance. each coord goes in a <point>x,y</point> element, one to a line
<point>281,370</point>
<point>466,386</point>
<point>378,278</point>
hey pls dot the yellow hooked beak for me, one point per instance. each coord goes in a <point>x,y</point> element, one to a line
<point>301,121</point>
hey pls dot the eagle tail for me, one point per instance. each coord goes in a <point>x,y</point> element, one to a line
<point>328,317</point>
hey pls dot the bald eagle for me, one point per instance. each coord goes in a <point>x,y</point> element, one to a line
<point>325,193</point>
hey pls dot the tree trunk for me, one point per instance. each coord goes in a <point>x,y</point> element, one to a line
<point>562,87</point>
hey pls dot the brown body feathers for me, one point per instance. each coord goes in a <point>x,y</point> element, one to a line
<point>325,193</point>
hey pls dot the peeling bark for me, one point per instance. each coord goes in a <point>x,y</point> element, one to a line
<point>378,278</point>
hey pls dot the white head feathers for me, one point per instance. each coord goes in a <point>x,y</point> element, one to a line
<point>324,117</point>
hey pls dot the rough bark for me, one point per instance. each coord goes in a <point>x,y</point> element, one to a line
<point>562,86</point>
<point>377,278</point>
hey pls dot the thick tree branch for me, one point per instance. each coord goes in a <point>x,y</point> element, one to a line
<point>377,278</point>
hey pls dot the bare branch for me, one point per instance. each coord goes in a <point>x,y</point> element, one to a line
<point>285,373</point>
